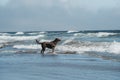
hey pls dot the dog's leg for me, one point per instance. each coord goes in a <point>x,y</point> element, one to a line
<point>42,51</point>
<point>53,50</point>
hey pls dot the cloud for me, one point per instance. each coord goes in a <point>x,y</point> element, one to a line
<point>69,6</point>
<point>90,5</point>
<point>3,2</point>
<point>79,13</point>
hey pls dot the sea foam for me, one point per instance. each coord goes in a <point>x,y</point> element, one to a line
<point>72,31</point>
<point>18,33</point>
<point>31,46</point>
<point>80,47</point>
<point>99,34</point>
<point>19,38</point>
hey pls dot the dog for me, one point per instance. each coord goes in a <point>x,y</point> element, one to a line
<point>50,45</point>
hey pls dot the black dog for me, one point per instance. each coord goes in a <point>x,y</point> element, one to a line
<point>50,45</point>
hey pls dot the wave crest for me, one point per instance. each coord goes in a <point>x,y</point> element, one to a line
<point>31,46</point>
<point>72,31</point>
<point>111,47</point>
<point>19,38</point>
<point>99,34</point>
<point>19,33</point>
<point>80,47</point>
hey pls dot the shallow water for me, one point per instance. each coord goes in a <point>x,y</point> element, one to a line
<point>60,67</point>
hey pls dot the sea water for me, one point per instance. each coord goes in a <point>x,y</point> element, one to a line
<point>81,55</point>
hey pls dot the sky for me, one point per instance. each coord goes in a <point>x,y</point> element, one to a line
<point>58,15</point>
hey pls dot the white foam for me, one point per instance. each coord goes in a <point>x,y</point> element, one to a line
<point>1,45</point>
<point>104,34</point>
<point>68,40</point>
<point>80,34</point>
<point>99,34</point>
<point>32,33</point>
<point>80,49</point>
<point>4,34</point>
<point>114,47</point>
<point>8,51</point>
<point>110,47</point>
<point>20,33</point>
<point>42,32</point>
<point>44,40</point>
<point>19,38</point>
<point>31,46</point>
<point>71,31</point>
<point>3,41</point>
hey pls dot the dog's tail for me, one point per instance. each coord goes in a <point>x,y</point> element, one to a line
<point>37,41</point>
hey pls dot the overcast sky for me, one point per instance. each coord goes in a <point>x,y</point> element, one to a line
<point>46,15</point>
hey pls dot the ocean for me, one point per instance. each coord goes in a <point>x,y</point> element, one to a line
<point>80,55</point>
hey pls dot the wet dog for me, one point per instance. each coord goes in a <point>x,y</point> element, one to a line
<point>50,45</point>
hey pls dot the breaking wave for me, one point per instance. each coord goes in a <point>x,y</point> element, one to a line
<point>99,34</point>
<point>42,32</point>
<point>80,47</point>
<point>3,41</point>
<point>75,42</point>
<point>34,33</point>
<point>18,38</point>
<point>19,33</point>
<point>1,45</point>
<point>4,34</point>
<point>111,47</point>
<point>31,46</point>
<point>108,50</point>
<point>72,31</point>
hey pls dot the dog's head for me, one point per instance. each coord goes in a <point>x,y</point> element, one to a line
<point>57,39</point>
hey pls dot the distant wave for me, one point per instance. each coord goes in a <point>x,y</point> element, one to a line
<point>42,32</point>
<point>34,33</point>
<point>105,34</point>
<point>72,31</point>
<point>99,34</point>
<point>18,38</point>
<point>19,33</point>
<point>4,34</point>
